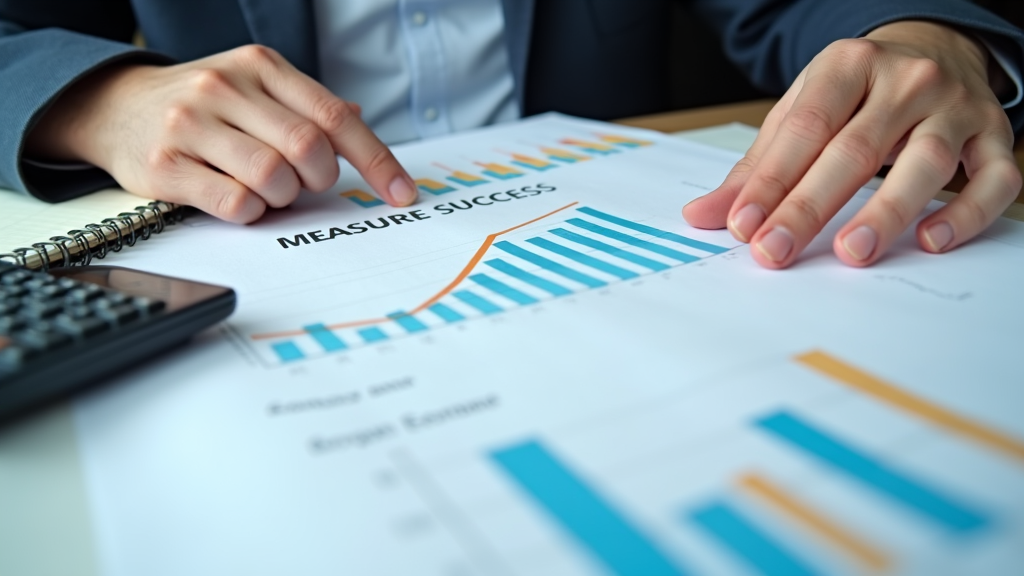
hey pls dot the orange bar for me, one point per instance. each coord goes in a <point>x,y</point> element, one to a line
<point>890,394</point>
<point>615,139</point>
<point>863,552</point>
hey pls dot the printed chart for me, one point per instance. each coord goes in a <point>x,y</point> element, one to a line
<point>791,489</point>
<point>590,249</point>
<point>518,164</point>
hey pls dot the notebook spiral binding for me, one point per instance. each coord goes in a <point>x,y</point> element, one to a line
<point>81,247</point>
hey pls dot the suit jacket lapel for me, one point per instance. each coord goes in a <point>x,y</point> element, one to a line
<point>286,26</point>
<point>518,25</point>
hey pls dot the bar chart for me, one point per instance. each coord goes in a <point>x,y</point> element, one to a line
<point>795,492</point>
<point>587,250</point>
<point>519,164</point>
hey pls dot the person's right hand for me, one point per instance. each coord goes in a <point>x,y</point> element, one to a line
<point>230,134</point>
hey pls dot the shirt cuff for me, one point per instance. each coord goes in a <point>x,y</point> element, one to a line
<point>1011,71</point>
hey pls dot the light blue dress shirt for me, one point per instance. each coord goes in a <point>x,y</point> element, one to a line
<point>418,68</point>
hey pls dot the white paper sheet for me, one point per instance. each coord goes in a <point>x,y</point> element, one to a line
<point>631,426</point>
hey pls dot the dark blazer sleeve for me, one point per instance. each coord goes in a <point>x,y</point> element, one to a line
<point>773,40</point>
<point>45,46</point>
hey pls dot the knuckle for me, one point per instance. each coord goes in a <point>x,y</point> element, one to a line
<point>179,118</point>
<point>744,166</point>
<point>975,213</point>
<point>256,54</point>
<point>810,122</point>
<point>161,161</point>
<point>210,82</point>
<point>923,72</point>
<point>896,209</point>
<point>860,151</point>
<point>332,115</point>
<point>938,154</point>
<point>1008,173</point>
<point>379,159</point>
<point>263,167</point>
<point>772,182</point>
<point>229,201</point>
<point>303,141</point>
<point>808,212</point>
<point>855,49</point>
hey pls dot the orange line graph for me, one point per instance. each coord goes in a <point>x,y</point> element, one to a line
<point>429,301</point>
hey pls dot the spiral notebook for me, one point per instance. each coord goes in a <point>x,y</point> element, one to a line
<point>77,232</point>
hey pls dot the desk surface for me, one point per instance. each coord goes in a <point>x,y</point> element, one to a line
<point>44,512</point>
<point>753,114</point>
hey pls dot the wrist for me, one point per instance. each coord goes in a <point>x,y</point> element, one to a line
<point>75,127</point>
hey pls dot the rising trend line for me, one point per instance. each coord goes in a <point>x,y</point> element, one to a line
<point>429,301</point>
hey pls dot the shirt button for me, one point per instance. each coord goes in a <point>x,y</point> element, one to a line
<point>419,18</point>
<point>430,114</point>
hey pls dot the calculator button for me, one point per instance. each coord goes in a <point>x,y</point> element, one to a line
<point>80,327</point>
<point>39,309</point>
<point>13,356</point>
<point>10,324</point>
<point>120,314</point>
<point>16,291</point>
<point>87,293</point>
<point>16,277</point>
<point>148,305</point>
<point>41,339</point>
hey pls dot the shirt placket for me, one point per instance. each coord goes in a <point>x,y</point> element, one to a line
<point>428,105</point>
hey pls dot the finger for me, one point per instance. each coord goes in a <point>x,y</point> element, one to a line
<point>994,183</point>
<point>184,180</point>
<point>825,104</point>
<point>927,162</point>
<point>849,160</point>
<point>297,139</point>
<point>348,135</point>
<point>710,211</point>
<point>253,163</point>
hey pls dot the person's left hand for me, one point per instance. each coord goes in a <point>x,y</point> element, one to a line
<point>914,94</point>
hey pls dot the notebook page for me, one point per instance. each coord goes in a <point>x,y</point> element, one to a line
<point>25,220</point>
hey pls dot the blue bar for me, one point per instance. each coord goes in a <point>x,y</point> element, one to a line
<point>532,279</point>
<point>585,259</point>
<point>327,339</point>
<point>446,313</point>
<point>609,249</point>
<point>407,321</point>
<point>372,334</point>
<point>654,231</point>
<point>633,241</point>
<point>874,473</point>
<point>748,541</point>
<point>503,289</point>
<point>551,265</point>
<point>481,304</point>
<point>578,508</point>
<point>287,351</point>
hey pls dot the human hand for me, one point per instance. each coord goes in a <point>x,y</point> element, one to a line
<point>230,134</point>
<point>913,94</point>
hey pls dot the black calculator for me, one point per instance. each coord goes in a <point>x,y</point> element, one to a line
<point>66,329</point>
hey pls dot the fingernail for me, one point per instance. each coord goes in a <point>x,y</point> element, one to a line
<point>777,244</point>
<point>938,236</point>
<point>746,221</point>
<point>402,190</point>
<point>861,242</point>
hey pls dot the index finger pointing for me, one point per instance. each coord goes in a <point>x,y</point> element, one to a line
<point>348,134</point>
